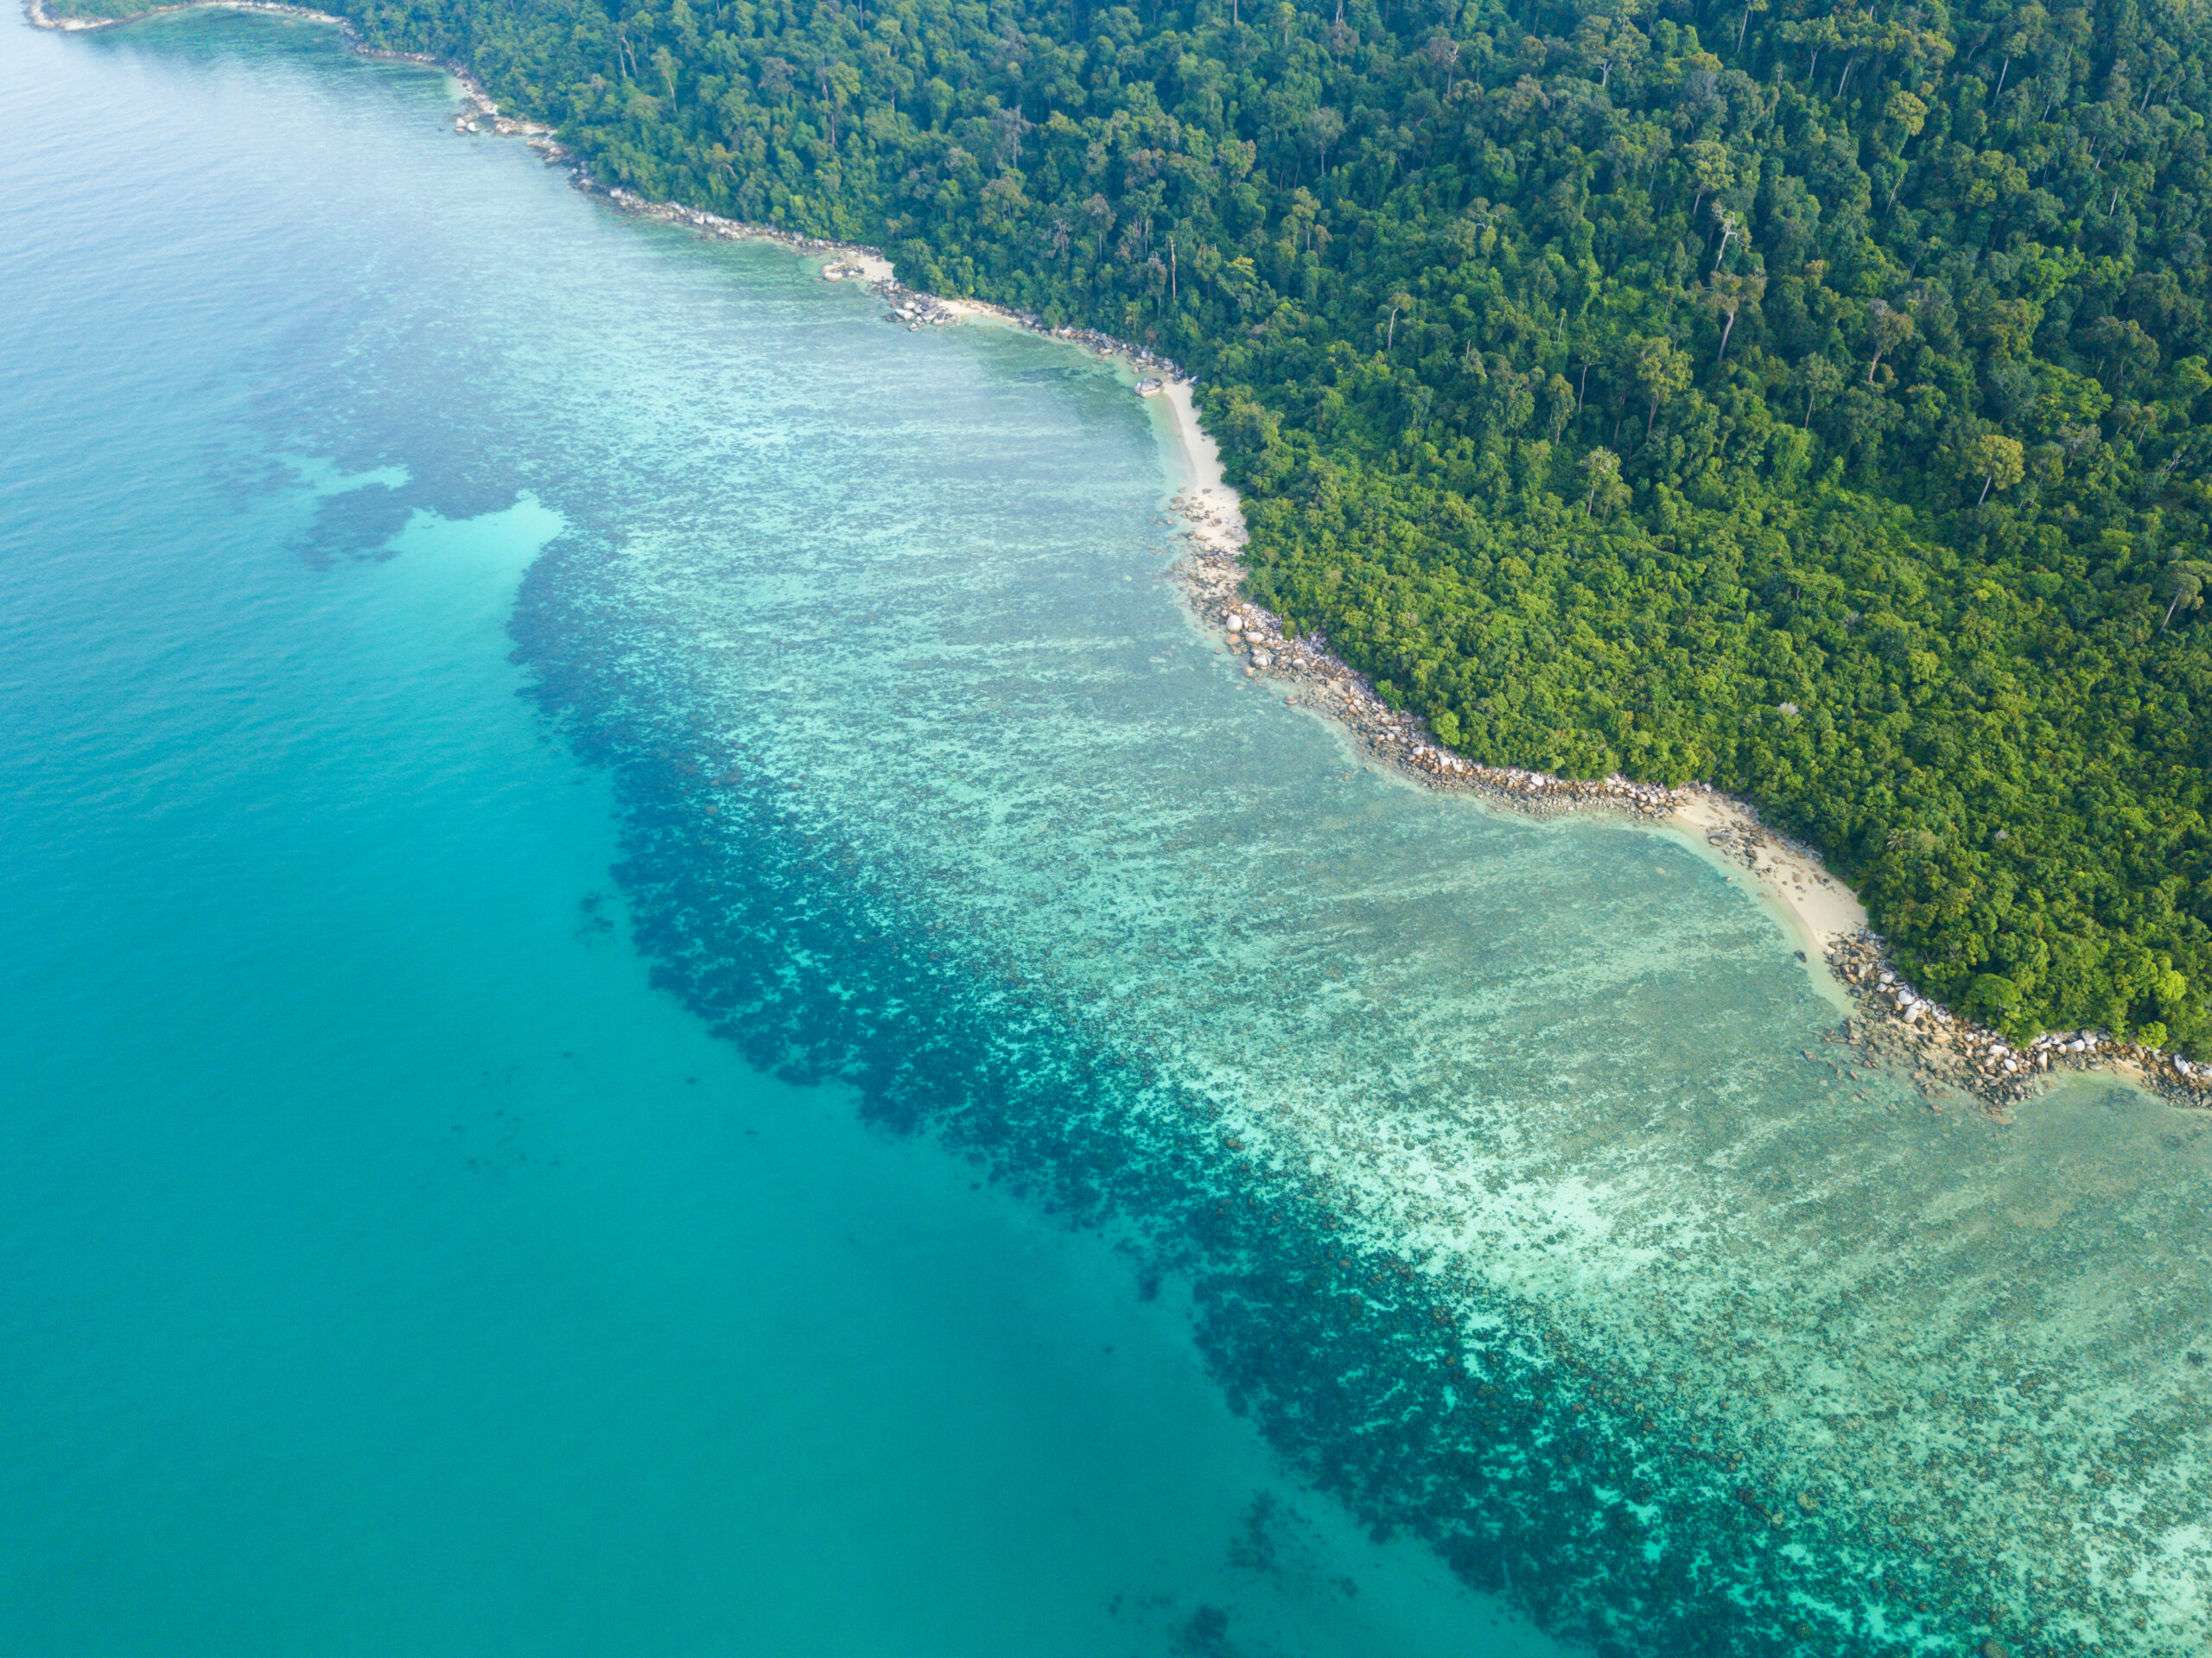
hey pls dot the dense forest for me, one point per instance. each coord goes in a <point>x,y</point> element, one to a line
<point>1805,397</point>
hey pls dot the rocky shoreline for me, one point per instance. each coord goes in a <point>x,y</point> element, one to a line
<point>1897,1029</point>
<point>1212,581</point>
<point>852,261</point>
<point>1941,1052</point>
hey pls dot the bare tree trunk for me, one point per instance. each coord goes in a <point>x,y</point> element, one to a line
<point>1985,487</point>
<point>1582,388</point>
<point>1724,333</point>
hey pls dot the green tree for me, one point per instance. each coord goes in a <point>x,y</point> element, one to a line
<point>1816,378</point>
<point>1728,294</point>
<point>1710,170</point>
<point>1887,329</point>
<point>2182,582</point>
<point>1997,460</point>
<point>1600,464</point>
<point>1659,369</point>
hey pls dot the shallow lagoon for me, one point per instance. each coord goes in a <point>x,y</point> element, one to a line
<point>1485,1151</point>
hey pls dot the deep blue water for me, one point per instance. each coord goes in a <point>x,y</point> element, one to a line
<point>660,1001</point>
<point>390,1267</point>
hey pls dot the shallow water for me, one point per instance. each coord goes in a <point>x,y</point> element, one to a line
<point>391,1268</point>
<point>1513,1216</point>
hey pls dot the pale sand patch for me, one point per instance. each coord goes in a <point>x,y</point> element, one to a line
<point>873,267</point>
<point>1813,904</point>
<point>1214,512</point>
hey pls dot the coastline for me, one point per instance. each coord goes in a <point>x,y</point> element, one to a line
<point>1892,1027</point>
<point>1888,1023</point>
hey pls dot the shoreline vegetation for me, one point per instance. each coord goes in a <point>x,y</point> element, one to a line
<point>1619,394</point>
<point>1946,1055</point>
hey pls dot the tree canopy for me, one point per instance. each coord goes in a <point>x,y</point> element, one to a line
<point>1798,394</point>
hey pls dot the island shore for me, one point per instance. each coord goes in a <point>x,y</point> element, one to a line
<point>1890,1024</point>
<point>1893,1027</point>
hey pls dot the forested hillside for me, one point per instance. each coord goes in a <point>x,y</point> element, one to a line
<point>1807,398</point>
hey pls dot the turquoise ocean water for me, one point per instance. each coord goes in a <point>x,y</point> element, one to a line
<point>658,1001</point>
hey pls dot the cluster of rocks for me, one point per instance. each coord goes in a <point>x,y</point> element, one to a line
<point>480,115</point>
<point>1211,579</point>
<point>1941,1052</point>
<point>919,310</point>
<point>1105,345</point>
<point>1752,844</point>
<point>1538,792</point>
<point>1216,583</point>
<point>848,257</point>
